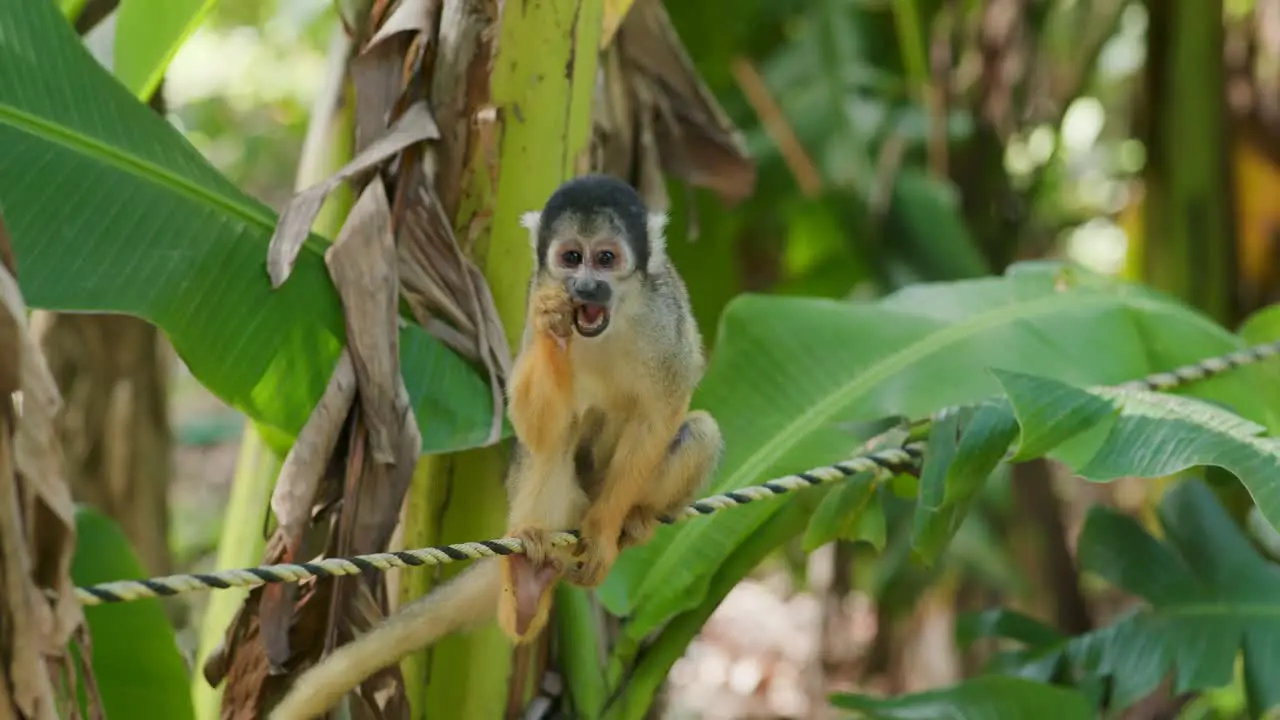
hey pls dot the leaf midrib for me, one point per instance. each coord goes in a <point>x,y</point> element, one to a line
<point>92,148</point>
<point>1224,608</point>
<point>885,368</point>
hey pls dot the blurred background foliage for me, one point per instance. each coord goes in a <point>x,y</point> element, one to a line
<point>897,141</point>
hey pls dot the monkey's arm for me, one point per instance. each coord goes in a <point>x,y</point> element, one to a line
<point>545,495</point>
<point>541,392</point>
<point>468,599</point>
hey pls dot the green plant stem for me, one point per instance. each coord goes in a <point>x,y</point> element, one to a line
<point>911,42</point>
<point>581,655</point>
<point>544,73</point>
<point>241,545</point>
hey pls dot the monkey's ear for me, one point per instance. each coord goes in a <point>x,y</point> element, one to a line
<point>657,227</point>
<point>530,221</point>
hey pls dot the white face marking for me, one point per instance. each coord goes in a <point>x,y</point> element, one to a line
<point>530,221</point>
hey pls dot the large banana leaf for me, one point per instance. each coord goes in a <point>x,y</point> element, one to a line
<point>1209,596</point>
<point>111,209</point>
<point>788,374</point>
<point>991,697</point>
<point>148,35</point>
<point>1105,434</point>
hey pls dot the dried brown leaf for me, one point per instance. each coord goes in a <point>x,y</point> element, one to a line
<point>38,458</point>
<point>295,494</point>
<point>416,16</point>
<point>438,279</point>
<point>39,614</point>
<point>20,637</point>
<point>415,125</point>
<point>376,75</point>
<point>697,141</point>
<point>362,263</point>
<point>303,467</point>
<point>374,491</point>
<point>253,682</point>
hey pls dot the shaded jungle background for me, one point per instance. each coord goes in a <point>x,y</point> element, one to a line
<point>896,141</point>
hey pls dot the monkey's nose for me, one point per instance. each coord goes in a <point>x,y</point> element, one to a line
<point>590,290</point>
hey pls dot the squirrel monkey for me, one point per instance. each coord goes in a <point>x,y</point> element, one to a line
<point>598,398</point>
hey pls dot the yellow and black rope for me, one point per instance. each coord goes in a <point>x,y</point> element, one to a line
<point>881,462</point>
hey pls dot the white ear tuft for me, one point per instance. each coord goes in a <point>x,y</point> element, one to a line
<point>530,221</point>
<point>657,227</point>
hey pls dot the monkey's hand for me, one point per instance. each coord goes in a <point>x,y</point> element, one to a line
<point>551,312</point>
<point>527,581</point>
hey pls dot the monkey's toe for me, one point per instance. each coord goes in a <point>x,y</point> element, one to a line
<point>538,547</point>
<point>592,565</point>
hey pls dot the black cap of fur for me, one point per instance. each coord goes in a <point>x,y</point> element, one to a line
<point>588,198</point>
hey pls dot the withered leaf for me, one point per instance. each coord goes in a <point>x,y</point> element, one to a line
<point>438,279</point>
<point>697,141</point>
<point>303,467</point>
<point>415,125</point>
<point>409,16</point>
<point>362,263</point>
<point>39,614</point>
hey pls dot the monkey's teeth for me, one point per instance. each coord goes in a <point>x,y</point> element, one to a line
<point>591,318</point>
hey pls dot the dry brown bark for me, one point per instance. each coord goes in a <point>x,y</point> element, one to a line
<point>40,618</point>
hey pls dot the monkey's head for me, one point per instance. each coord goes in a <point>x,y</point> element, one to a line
<point>596,236</point>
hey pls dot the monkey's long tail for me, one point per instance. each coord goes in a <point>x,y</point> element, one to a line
<point>466,600</point>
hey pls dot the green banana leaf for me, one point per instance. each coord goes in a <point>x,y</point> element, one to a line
<point>1210,599</point>
<point>1106,434</point>
<point>955,470</point>
<point>991,697</point>
<point>789,375</point>
<point>112,210</point>
<point>135,658</point>
<point>148,35</point>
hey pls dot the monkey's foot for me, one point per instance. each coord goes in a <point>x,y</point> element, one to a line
<point>527,581</point>
<point>594,559</point>
<point>538,548</point>
<point>553,311</point>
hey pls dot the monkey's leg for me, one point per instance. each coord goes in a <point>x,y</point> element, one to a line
<point>637,460</point>
<point>545,498</point>
<point>691,459</point>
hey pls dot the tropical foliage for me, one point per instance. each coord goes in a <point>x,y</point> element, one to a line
<point>844,300</point>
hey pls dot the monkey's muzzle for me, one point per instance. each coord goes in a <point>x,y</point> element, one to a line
<point>590,319</point>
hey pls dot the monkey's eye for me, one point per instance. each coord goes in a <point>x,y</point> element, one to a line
<point>605,258</point>
<point>572,258</point>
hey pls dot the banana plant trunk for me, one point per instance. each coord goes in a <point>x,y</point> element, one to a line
<point>544,66</point>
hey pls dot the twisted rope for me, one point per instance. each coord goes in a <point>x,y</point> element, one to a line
<point>882,462</point>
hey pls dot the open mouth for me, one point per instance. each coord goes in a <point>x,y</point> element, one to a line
<point>591,320</point>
